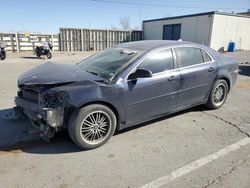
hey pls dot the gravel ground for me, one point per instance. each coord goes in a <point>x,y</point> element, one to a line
<point>132,157</point>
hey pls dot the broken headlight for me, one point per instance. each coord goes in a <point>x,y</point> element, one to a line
<point>52,106</point>
<point>51,100</point>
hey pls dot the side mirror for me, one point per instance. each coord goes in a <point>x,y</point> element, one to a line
<point>140,73</point>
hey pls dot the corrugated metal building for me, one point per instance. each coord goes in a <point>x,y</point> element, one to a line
<point>214,29</point>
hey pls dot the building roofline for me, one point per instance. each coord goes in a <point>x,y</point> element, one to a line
<point>231,14</point>
<point>198,14</point>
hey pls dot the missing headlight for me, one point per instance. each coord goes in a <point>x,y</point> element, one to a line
<point>51,100</point>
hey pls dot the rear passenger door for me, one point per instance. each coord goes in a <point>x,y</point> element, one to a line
<point>197,73</point>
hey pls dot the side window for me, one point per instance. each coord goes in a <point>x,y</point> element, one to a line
<point>188,56</point>
<point>206,57</point>
<point>158,62</point>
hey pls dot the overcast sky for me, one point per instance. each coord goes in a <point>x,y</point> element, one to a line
<point>50,15</point>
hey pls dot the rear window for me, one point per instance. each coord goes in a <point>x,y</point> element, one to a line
<point>188,56</point>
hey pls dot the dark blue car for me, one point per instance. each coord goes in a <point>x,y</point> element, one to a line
<point>122,86</point>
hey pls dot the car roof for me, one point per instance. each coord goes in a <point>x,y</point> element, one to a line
<point>153,44</point>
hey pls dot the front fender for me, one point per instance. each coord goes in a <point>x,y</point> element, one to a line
<point>79,94</point>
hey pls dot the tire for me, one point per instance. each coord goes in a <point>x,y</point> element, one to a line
<point>82,128</point>
<point>49,55</point>
<point>218,94</point>
<point>3,55</point>
<point>38,55</point>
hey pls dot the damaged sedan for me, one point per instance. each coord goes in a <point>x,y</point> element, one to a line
<point>122,86</point>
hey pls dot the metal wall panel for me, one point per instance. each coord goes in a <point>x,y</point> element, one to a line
<point>230,29</point>
<point>194,29</point>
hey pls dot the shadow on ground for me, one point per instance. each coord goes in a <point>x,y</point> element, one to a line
<point>61,143</point>
<point>244,70</point>
<point>31,57</point>
<point>18,135</point>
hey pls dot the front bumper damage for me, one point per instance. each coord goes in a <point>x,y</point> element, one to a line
<point>47,120</point>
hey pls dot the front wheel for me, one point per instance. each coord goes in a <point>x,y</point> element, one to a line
<point>92,126</point>
<point>49,55</point>
<point>38,54</point>
<point>218,94</point>
<point>3,55</point>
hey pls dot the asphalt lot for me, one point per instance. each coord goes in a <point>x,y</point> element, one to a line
<point>193,148</point>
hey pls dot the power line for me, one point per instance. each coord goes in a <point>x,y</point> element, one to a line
<point>161,5</point>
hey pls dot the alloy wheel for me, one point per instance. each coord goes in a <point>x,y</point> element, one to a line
<point>219,94</point>
<point>95,127</point>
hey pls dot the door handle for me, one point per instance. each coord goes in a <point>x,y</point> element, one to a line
<point>211,69</point>
<point>171,78</point>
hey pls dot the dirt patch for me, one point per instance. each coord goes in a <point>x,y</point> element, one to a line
<point>242,86</point>
<point>111,155</point>
<point>10,153</point>
<point>64,185</point>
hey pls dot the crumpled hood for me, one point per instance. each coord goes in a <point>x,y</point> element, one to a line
<point>53,73</point>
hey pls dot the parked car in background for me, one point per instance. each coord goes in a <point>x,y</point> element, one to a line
<point>122,86</point>
<point>2,50</point>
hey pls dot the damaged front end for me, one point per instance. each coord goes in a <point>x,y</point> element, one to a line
<point>44,108</point>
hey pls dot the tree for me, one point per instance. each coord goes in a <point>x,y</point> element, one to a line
<point>125,23</point>
<point>114,27</point>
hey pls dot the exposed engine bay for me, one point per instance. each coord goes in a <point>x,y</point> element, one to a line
<point>46,110</point>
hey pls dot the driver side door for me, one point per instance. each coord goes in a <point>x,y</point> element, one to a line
<point>150,97</point>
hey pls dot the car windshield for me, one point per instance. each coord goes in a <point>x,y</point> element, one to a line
<point>109,62</point>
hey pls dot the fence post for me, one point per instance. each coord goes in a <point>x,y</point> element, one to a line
<point>12,43</point>
<point>82,44</point>
<point>130,35</point>
<point>89,41</point>
<point>52,42</point>
<point>59,41</point>
<point>17,43</point>
<point>107,38</point>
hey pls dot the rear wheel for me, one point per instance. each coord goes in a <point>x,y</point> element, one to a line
<point>92,126</point>
<point>218,94</point>
<point>3,55</point>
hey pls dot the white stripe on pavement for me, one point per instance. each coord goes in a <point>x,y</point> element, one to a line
<point>195,165</point>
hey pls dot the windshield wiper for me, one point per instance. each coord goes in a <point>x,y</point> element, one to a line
<point>95,73</point>
<point>104,80</point>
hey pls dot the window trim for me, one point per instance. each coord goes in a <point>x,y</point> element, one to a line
<point>175,61</point>
<point>149,54</point>
<point>179,68</point>
<point>207,54</point>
